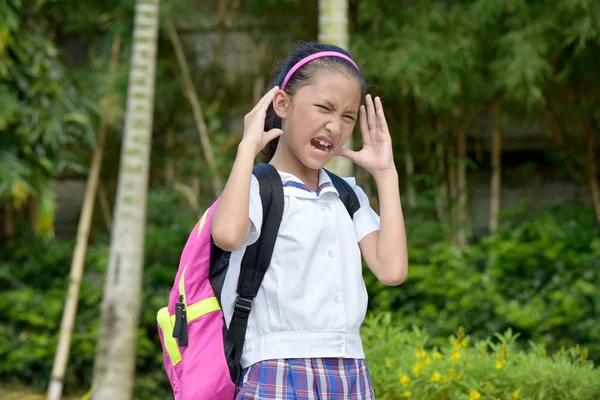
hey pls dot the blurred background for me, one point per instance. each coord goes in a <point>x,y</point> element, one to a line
<point>494,110</point>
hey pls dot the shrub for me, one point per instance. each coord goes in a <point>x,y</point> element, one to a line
<point>403,365</point>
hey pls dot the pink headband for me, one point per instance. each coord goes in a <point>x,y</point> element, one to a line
<point>314,56</point>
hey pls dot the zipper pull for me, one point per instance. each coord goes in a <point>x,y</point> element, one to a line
<point>183,338</point>
<point>180,318</point>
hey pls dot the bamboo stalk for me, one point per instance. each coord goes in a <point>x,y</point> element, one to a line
<point>461,180</point>
<point>77,265</point>
<point>190,93</point>
<point>496,181</point>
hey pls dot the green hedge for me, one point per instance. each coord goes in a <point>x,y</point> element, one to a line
<point>402,365</point>
<point>537,278</point>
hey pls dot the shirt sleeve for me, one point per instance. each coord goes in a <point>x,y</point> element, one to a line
<point>365,219</point>
<point>255,212</point>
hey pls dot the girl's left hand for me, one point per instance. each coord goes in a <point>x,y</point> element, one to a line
<point>376,156</point>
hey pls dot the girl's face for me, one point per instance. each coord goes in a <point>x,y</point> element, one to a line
<point>318,120</point>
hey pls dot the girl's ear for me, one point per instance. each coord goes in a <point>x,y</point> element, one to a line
<point>281,104</point>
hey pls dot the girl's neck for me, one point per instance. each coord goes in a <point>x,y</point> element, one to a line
<point>286,161</point>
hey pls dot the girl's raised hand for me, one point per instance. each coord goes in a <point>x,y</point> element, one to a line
<point>376,156</point>
<point>254,123</point>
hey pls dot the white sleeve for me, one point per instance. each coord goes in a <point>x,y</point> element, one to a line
<point>365,219</point>
<point>255,212</point>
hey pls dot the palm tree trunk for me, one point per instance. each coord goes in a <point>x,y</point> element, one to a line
<point>114,367</point>
<point>461,179</point>
<point>333,29</point>
<point>408,159</point>
<point>77,265</point>
<point>190,94</point>
<point>496,182</point>
<point>593,170</point>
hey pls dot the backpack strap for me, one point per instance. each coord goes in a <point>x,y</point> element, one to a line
<point>347,194</point>
<point>255,263</point>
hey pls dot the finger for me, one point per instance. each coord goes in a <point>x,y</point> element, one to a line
<point>364,127</point>
<point>273,133</point>
<point>372,121</point>
<point>381,115</point>
<point>264,102</point>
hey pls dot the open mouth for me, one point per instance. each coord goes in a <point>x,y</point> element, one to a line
<point>321,146</point>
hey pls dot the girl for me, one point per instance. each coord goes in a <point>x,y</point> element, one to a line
<point>303,337</point>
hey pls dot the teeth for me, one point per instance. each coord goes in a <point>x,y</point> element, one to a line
<point>324,143</point>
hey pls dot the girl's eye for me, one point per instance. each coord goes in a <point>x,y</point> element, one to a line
<point>323,107</point>
<point>349,117</point>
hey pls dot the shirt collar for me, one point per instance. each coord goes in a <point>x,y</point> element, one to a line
<point>292,186</point>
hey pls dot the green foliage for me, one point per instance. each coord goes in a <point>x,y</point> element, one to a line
<point>42,113</point>
<point>538,277</point>
<point>404,365</point>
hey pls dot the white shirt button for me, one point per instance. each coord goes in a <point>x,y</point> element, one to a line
<point>337,298</point>
<point>330,253</point>
<point>339,338</point>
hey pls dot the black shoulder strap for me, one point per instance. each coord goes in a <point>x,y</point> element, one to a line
<point>255,263</point>
<point>347,194</point>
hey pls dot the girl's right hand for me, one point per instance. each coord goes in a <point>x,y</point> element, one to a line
<point>254,123</point>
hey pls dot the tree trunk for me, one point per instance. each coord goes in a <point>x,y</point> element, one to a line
<point>452,165</point>
<point>593,170</point>
<point>496,182</point>
<point>190,94</point>
<point>170,161</point>
<point>9,221</point>
<point>333,29</point>
<point>114,368</point>
<point>104,206</point>
<point>77,265</point>
<point>461,180</point>
<point>441,198</point>
<point>408,160</point>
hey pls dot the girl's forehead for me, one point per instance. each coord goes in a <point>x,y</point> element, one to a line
<point>335,84</point>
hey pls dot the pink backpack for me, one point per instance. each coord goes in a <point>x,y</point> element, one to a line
<point>201,356</point>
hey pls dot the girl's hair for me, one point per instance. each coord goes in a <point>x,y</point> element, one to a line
<point>305,76</point>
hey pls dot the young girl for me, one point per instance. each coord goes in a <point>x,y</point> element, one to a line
<point>303,337</point>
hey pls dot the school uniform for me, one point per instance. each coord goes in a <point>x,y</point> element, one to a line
<point>303,337</point>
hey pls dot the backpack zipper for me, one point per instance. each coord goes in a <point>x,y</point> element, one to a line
<point>180,330</point>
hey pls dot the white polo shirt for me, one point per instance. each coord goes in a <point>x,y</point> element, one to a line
<point>313,298</point>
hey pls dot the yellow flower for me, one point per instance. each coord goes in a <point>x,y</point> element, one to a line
<point>404,379</point>
<point>456,355</point>
<point>421,354</point>
<point>407,394</point>
<point>389,363</point>
<point>500,363</point>
<point>416,369</point>
<point>516,394</point>
<point>474,395</point>
<point>437,355</point>
<point>427,361</point>
<point>436,377</point>
<point>451,373</point>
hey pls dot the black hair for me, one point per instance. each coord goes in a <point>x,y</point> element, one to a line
<point>303,77</point>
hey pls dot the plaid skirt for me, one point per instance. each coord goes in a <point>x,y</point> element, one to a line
<point>306,379</point>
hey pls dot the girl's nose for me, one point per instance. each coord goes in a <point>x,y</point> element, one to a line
<point>334,127</point>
